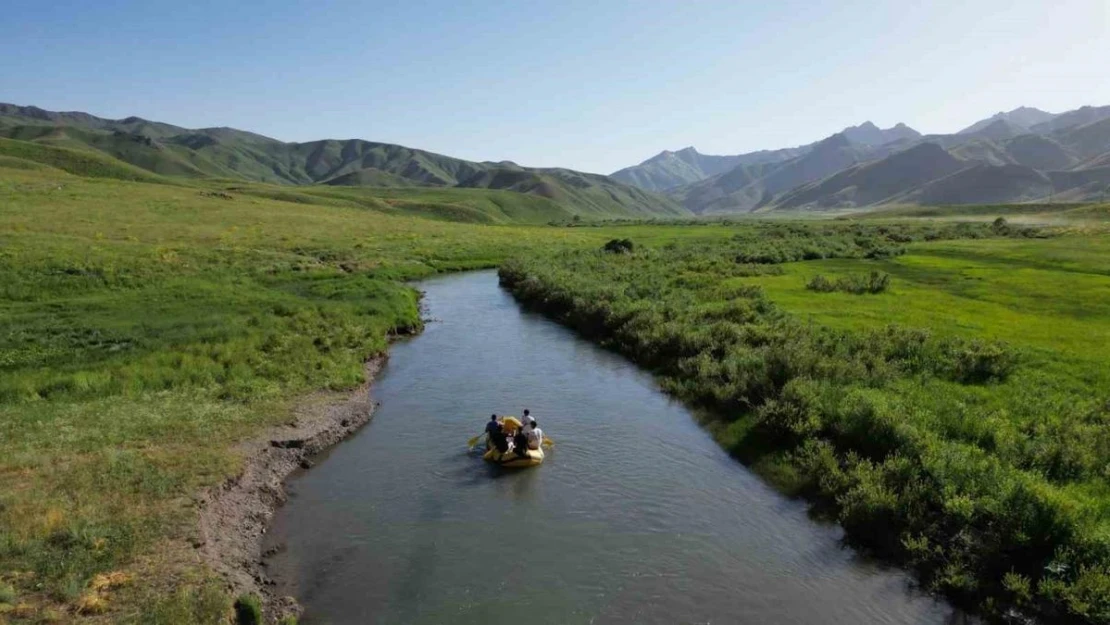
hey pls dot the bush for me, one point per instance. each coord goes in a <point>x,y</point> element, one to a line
<point>821,284</point>
<point>248,610</point>
<point>618,246</point>
<point>874,282</point>
<point>794,415</point>
<point>979,362</point>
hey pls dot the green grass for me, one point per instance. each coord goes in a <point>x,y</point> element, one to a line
<point>1057,214</point>
<point>79,162</point>
<point>955,422</point>
<point>1047,295</point>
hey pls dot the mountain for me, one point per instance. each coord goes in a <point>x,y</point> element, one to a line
<point>668,170</point>
<point>671,169</point>
<point>746,189</point>
<point>1078,117</point>
<point>987,184</point>
<point>868,133</point>
<point>1040,152</point>
<point>1087,140</point>
<point>1023,117</point>
<point>876,181</point>
<point>174,151</point>
<point>999,130</point>
<point>1021,155</point>
<point>978,150</point>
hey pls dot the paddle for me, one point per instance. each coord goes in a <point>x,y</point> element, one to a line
<point>547,442</point>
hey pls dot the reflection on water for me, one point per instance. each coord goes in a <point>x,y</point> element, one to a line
<point>636,517</point>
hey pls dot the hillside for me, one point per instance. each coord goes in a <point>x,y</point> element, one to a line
<point>1022,155</point>
<point>745,189</point>
<point>1078,117</point>
<point>227,153</point>
<point>877,181</point>
<point>987,184</point>
<point>669,170</point>
<point>1023,117</point>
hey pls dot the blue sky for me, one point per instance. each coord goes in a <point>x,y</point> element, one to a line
<point>593,85</point>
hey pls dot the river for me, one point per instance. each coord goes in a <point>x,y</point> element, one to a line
<point>637,516</point>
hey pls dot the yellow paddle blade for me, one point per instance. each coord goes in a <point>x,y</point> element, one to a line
<point>547,442</point>
<point>474,441</point>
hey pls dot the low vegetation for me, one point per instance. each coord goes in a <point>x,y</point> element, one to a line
<point>957,424</point>
<point>874,282</point>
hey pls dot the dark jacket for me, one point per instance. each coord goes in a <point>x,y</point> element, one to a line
<point>520,443</point>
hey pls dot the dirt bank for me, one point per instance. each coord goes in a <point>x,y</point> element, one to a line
<point>234,516</point>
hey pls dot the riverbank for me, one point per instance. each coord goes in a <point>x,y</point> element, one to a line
<point>975,463</point>
<point>234,516</point>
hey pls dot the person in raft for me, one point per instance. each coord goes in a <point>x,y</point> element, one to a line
<point>520,443</point>
<point>497,434</point>
<point>534,434</point>
<point>527,421</point>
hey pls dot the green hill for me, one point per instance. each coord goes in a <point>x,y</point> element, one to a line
<point>78,162</point>
<point>228,153</point>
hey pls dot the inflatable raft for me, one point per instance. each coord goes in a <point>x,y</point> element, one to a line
<point>510,459</point>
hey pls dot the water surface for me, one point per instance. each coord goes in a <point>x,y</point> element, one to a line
<point>636,517</point>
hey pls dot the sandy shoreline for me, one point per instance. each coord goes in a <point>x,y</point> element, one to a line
<point>235,515</point>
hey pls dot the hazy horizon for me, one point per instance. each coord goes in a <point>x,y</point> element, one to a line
<point>594,87</point>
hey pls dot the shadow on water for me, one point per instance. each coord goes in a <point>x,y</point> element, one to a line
<point>636,517</point>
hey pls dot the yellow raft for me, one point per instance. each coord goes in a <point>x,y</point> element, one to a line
<point>510,459</point>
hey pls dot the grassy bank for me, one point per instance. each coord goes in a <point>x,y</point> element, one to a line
<point>954,420</point>
<point>149,327</point>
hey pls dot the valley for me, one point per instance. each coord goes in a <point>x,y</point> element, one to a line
<point>926,374</point>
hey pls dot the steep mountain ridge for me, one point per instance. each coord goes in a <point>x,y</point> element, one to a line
<point>668,170</point>
<point>876,181</point>
<point>1023,117</point>
<point>1021,155</point>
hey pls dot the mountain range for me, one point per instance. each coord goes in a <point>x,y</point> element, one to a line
<point>227,153</point>
<point>1021,155</point>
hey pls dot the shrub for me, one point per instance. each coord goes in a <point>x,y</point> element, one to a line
<point>248,610</point>
<point>874,282</point>
<point>794,415</point>
<point>979,362</point>
<point>821,284</point>
<point>618,246</point>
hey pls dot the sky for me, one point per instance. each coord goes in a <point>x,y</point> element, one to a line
<point>592,85</point>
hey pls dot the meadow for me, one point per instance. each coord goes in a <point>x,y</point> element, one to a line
<point>953,420</point>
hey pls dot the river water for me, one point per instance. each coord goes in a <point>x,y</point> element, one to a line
<point>637,516</point>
